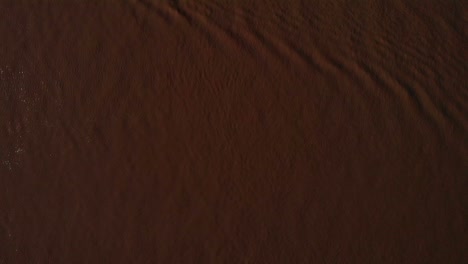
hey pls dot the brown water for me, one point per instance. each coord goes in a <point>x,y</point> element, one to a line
<point>242,131</point>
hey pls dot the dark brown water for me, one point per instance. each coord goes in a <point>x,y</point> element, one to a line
<point>142,131</point>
